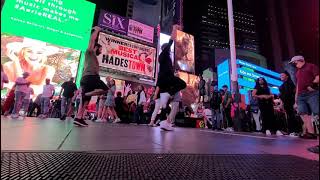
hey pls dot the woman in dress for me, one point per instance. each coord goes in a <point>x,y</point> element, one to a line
<point>110,102</point>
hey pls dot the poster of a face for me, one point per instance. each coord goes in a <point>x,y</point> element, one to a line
<point>40,59</point>
<point>184,52</point>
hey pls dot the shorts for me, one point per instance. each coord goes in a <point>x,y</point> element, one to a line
<point>110,101</point>
<point>171,84</point>
<point>308,103</point>
<point>90,83</point>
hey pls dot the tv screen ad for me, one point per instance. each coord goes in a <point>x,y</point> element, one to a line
<point>184,52</point>
<point>40,59</point>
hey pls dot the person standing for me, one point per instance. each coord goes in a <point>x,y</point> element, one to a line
<point>4,78</point>
<point>226,103</point>
<point>90,83</point>
<point>265,100</point>
<point>47,95</point>
<point>68,88</point>
<point>202,89</point>
<point>27,100</point>
<point>307,94</point>
<point>255,111</point>
<point>141,100</point>
<point>20,93</point>
<point>287,93</point>
<point>110,103</point>
<point>215,103</point>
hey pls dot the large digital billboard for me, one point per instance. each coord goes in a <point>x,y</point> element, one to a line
<point>65,23</point>
<point>42,60</point>
<point>184,52</point>
<point>127,56</point>
<point>247,75</point>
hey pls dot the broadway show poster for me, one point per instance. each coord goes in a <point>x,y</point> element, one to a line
<point>184,52</point>
<point>127,56</point>
<point>42,60</point>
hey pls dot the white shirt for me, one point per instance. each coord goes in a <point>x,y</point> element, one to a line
<point>142,98</point>
<point>4,77</point>
<point>47,90</point>
<point>28,92</point>
<point>21,88</point>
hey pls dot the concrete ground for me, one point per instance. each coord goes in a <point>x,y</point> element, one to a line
<point>32,134</point>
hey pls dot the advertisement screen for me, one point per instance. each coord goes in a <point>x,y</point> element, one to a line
<point>123,55</point>
<point>42,60</point>
<point>223,74</point>
<point>63,22</point>
<point>184,52</point>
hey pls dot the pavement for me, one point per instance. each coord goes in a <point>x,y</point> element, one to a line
<point>33,148</point>
<point>32,134</point>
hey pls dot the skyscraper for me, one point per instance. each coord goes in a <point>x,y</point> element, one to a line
<point>210,27</point>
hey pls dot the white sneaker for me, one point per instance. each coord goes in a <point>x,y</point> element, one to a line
<point>14,116</point>
<point>165,126</point>
<point>268,133</point>
<point>99,120</point>
<point>231,130</point>
<point>293,135</point>
<point>117,120</point>
<point>279,133</point>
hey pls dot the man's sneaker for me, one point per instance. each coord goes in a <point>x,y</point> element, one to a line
<point>117,120</point>
<point>293,135</point>
<point>308,136</point>
<point>279,133</point>
<point>268,133</point>
<point>62,118</point>
<point>314,149</point>
<point>14,116</point>
<point>165,126</point>
<point>80,122</point>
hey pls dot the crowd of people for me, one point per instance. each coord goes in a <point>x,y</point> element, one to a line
<point>299,104</point>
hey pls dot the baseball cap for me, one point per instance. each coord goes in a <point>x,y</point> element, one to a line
<point>296,58</point>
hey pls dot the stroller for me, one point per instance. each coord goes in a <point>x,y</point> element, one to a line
<point>55,109</point>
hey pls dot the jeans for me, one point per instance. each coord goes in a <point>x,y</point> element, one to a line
<point>45,103</point>
<point>65,103</point>
<point>26,105</point>
<point>138,114</point>
<point>256,118</point>
<point>174,111</point>
<point>308,103</point>
<point>19,96</point>
<point>216,118</point>
<point>156,110</point>
<point>227,113</point>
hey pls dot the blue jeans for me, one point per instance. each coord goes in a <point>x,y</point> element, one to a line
<point>65,103</point>
<point>308,103</point>
<point>19,96</point>
<point>216,119</point>
<point>45,102</point>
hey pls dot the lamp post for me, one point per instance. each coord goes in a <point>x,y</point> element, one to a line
<point>233,61</point>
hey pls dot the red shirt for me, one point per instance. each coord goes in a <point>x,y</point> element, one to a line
<point>305,76</point>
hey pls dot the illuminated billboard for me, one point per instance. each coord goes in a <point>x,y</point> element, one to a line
<point>127,56</point>
<point>247,75</point>
<point>42,60</point>
<point>63,22</point>
<point>184,52</point>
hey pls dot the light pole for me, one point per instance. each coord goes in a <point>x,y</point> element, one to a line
<point>233,61</point>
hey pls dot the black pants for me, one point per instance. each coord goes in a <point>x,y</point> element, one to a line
<point>293,124</point>
<point>138,115</point>
<point>268,118</point>
<point>227,113</point>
